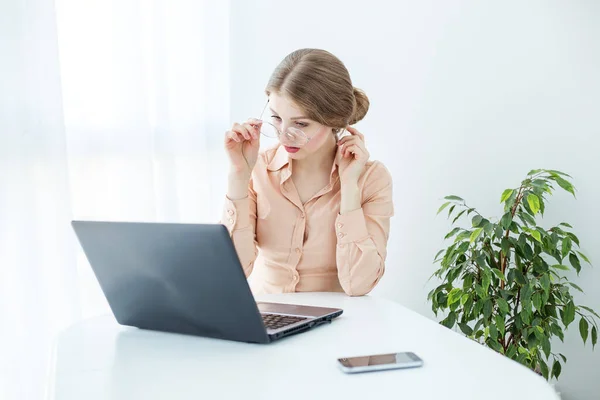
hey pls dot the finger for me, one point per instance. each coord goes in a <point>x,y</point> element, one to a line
<point>348,139</point>
<point>235,136</point>
<point>354,150</point>
<point>254,122</point>
<point>355,132</point>
<point>242,130</point>
<point>254,132</point>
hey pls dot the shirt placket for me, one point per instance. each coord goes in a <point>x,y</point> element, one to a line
<point>289,192</point>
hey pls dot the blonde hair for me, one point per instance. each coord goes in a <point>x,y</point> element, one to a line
<point>319,83</point>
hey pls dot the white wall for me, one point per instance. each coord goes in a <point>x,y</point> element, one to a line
<point>466,98</point>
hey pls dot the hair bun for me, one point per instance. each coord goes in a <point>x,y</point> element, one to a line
<point>361,106</point>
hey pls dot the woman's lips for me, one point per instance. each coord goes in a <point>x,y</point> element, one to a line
<point>291,149</point>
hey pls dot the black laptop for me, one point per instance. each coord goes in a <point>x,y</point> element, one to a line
<point>185,278</point>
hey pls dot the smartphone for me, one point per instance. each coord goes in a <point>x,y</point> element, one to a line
<point>379,362</point>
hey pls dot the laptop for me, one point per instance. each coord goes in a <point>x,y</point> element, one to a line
<point>185,278</point>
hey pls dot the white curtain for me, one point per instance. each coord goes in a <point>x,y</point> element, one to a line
<point>109,109</point>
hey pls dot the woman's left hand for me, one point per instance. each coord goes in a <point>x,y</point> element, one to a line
<point>352,155</point>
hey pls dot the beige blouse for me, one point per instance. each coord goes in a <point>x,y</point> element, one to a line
<point>288,246</point>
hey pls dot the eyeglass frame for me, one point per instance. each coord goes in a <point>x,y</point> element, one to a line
<point>339,132</point>
<point>279,132</point>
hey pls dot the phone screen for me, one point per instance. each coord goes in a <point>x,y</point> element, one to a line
<point>380,362</point>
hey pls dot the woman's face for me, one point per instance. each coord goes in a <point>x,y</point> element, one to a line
<point>284,114</point>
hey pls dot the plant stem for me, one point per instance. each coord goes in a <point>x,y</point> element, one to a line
<point>513,211</point>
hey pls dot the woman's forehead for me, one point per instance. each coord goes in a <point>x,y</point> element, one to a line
<point>284,105</point>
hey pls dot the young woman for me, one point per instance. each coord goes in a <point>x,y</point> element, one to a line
<point>313,209</point>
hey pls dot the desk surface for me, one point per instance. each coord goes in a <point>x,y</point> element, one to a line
<point>98,359</point>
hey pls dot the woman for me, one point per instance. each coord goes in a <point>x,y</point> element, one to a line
<point>314,208</point>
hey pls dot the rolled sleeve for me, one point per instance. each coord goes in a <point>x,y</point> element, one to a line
<point>362,236</point>
<point>236,215</point>
<point>351,227</point>
<point>239,217</point>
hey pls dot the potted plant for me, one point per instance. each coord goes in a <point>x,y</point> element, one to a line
<point>502,279</point>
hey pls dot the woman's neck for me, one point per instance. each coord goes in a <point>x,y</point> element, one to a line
<point>321,160</point>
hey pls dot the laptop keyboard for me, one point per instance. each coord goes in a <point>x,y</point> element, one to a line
<point>276,321</point>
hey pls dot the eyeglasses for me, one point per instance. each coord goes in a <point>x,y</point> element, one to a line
<point>292,137</point>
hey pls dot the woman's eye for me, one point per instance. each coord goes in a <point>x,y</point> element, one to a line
<point>302,124</point>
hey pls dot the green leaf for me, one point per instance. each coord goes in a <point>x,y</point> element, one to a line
<point>488,227</point>
<point>480,292</point>
<point>543,368</point>
<point>476,233</point>
<point>452,233</point>
<point>562,267</point>
<point>500,324</point>
<point>534,203</point>
<point>567,244</point>
<point>565,224</point>
<point>546,346</point>
<point>450,320</point>
<point>466,329</point>
<point>585,258</point>
<point>506,195</point>
<point>536,235</point>
<point>574,260</point>
<point>566,185</point>
<point>511,352</point>
<point>545,283</point>
<point>494,345</point>
<point>594,336</point>
<point>555,329</point>
<point>439,253</point>
<point>573,237</point>
<point>493,332</point>
<point>534,171</point>
<point>537,301</point>
<point>443,207</point>
<point>563,357</point>
<point>590,310</point>
<point>556,369</point>
<point>503,306</point>
<point>519,277</point>
<point>575,286</point>
<point>505,245</point>
<point>458,216</point>
<point>487,308</point>
<point>468,281</point>
<point>463,299</point>
<point>451,210</point>
<point>553,171</point>
<point>476,220</point>
<point>454,296</point>
<point>499,274</point>
<point>583,329</point>
<point>527,218</point>
<point>568,313</point>
<point>506,220</point>
<point>453,198</point>
<point>462,236</point>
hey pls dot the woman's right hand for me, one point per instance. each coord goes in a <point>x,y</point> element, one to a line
<point>241,144</point>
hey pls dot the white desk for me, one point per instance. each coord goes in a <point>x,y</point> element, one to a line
<point>99,359</point>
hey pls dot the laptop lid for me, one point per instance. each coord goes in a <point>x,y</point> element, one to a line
<point>183,278</point>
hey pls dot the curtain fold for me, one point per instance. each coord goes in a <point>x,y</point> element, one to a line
<point>109,110</point>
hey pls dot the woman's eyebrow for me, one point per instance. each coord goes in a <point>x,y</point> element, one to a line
<point>275,112</point>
